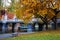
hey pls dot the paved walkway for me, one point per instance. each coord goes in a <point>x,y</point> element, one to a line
<point>10,35</point>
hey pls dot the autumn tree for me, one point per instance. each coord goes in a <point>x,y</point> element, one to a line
<point>44,9</point>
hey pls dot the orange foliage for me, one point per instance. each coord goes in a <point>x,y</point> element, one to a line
<point>32,7</point>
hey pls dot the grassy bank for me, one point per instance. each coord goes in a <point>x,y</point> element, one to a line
<point>42,35</point>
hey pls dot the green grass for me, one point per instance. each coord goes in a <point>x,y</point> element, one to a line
<point>43,35</point>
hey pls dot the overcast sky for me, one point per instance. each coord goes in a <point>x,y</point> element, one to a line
<point>6,2</point>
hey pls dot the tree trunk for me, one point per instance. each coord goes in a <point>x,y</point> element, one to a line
<point>55,23</point>
<point>13,26</point>
<point>46,25</point>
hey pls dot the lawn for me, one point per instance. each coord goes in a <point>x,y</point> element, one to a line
<point>42,35</point>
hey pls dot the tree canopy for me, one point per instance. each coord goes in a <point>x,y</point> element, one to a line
<point>25,9</point>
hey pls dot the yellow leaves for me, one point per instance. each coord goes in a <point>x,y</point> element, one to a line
<point>43,12</point>
<point>27,14</point>
<point>29,11</point>
<point>28,2</point>
<point>56,4</point>
<point>30,7</point>
<point>27,17</point>
<point>33,5</point>
<point>50,14</point>
<point>58,15</point>
<point>19,13</point>
<point>24,2</point>
<point>23,14</point>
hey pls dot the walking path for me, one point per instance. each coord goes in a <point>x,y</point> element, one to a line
<point>11,34</point>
